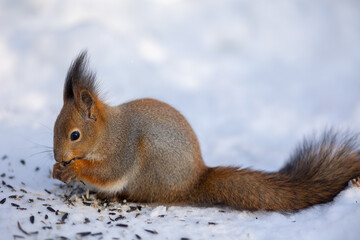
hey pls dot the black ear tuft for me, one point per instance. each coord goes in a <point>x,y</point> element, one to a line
<point>79,77</point>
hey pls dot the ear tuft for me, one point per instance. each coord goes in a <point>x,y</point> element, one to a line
<point>79,77</point>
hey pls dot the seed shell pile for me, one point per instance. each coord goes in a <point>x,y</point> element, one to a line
<point>42,208</point>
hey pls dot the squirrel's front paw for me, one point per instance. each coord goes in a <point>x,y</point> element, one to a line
<point>64,173</point>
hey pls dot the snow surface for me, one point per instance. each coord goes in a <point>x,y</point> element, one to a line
<point>252,77</point>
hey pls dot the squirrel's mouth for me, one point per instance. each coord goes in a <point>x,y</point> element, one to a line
<point>68,162</point>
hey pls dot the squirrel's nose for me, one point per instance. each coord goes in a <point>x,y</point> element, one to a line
<point>62,156</point>
<point>57,156</point>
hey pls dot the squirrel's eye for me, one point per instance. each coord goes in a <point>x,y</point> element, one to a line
<point>74,135</point>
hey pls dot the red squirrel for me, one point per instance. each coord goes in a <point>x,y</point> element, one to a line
<point>146,151</point>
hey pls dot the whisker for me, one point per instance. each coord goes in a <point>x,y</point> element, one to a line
<point>42,152</point>
<point>48,128</point>
<point>40,145</point>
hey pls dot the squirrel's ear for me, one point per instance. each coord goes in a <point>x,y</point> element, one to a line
<point>87,104</point>
<point>81,88</point>
<point>78,78</point>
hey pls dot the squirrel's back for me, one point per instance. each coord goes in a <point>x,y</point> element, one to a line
<point>167,150</point>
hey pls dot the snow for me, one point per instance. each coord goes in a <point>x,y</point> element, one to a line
<point>252,78</point>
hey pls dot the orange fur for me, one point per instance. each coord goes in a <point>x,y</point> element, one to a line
<point>83,169</point>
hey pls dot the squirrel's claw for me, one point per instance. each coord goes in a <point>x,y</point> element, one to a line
<point>63,173</point>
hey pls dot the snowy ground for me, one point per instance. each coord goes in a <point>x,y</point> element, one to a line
<point>252,77</point>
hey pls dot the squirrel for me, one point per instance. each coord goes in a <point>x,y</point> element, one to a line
<point>146,151</point>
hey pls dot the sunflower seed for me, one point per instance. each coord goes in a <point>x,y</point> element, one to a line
<point>151,231</point>
<point>122,225</point>
<point>97,234</point>
<point>83,234</point>
<point>86,220</point>
<point>50,209</point>
<point>119,218</point>
<point>18,236</point>
<point>64,217</point>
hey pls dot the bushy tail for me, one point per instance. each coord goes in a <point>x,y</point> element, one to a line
<point>315,174</point>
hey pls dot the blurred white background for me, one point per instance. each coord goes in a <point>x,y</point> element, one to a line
<point>252,77</point>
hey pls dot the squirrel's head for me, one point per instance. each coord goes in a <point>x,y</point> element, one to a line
<point>82,118</point>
